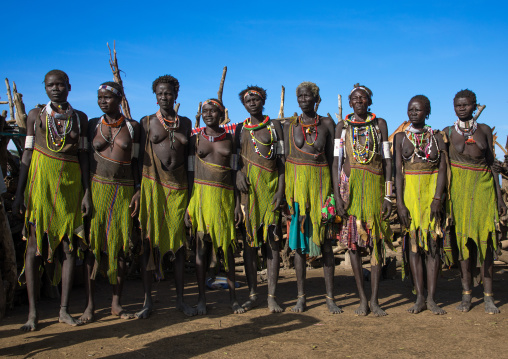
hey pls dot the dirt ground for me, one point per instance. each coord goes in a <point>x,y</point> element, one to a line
<point>313,334</point>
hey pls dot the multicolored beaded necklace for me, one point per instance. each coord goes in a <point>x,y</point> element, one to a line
<point>173,126</point>
<point>309,129</point>
<point>467,132</point>
<point>422,142</point>
<point>118,124</point>
<point>361,152</point>
<point>57,137</point>
<point>214,138</point>
<point>251,128</point>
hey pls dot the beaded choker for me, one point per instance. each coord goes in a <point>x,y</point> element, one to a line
<point>59,116</point>
<point>351,119</point>
<point>170,126</point>
<point>213,138</point>
<point>114,124</point>
<point>309,129</point>
<point>468,131</point>
<point>422,143</point>
<point>247,124</point>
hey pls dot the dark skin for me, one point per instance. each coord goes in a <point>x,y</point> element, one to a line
<point>57,89</point>
<point>218,153</point>
<point>417,114</point>
<point>254,105</point>
<point>171,159</point>
<point>482,148</point>
<point>324,143</point>
<point>359,102</point>
<point>120,150</point>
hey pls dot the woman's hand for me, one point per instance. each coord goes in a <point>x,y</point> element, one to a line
<point>238,216</point>
<point>435,209</point>
<point>135,203</point>
<point>277,201</point>
<point>187,220</point>
<point>340,207</point>
<point>18,206</point>
<point>404,218</point>
<point>86,204</point>
<point>242,182</point>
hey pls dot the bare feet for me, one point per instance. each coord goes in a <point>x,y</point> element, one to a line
<point>65,317</point>
<point>237,309</point>
<point>120,312</point>
<point>419,306</point>
<point>465,305</point>
<point>252,302</point>
<point>186,309</point>
<point>145,312</point>
<point>87,316</point>
<point>363,309</point>
<point>490,307</point>
<point>31,324</point>
<point>201,308</point>
<point>273,307</point>
<point>301,305</point>
<point>332,307</point>
<point>376,309</point>
<point>434,308</point>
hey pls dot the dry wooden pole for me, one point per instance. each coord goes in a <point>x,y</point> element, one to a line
<point>113,63</point>
<point>4,102</point>
<point>502,148</point>
<point>282,97</point>
<point>177,107</point>
<point>198,116</point>
<point>221,86</point>
<point>339,115</point>
<point>9,97</point>
<point>226,117</point>
<point>20,109</point>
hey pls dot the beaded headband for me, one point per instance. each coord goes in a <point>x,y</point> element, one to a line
<point>215,103</point>
<point>360,88</point>
<point>109,88</point>
<point>253,92</point>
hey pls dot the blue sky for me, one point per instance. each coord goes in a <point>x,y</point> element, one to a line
<point>398,49</point>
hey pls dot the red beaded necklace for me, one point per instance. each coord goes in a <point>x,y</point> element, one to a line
<point>308,129</point>
<point>214,138</point>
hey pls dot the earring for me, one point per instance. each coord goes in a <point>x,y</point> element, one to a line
<point>157,102</point>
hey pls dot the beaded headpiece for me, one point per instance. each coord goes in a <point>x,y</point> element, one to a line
<point>215,103</point>
<point>109,88</point>
<point>360,88</point>
<point>253,92</point>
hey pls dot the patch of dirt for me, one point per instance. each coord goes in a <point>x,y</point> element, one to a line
<point>259,334</point>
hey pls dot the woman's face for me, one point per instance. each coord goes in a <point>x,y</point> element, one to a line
<point>165,95</point>
<point>359,102</point>
<point>57,88</point>
<point>253,104</point>
<point>306,99</point>
<point>464,108</point>
<point>108,102</point>
<point>211,115</point>
<point>416,113</point>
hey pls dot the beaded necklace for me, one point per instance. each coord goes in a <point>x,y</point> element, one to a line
<point>251,128</point>
<point>118,124</point>
<point>309,129</point>
<point>361,152</point>
<point>247,124</point>
<point>422,143</point>
<point>173,126</point>
<point>57,137</point>
<point>213,138</point>
<point>466,132</point>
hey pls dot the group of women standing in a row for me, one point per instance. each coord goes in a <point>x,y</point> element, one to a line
<point>112,169</point>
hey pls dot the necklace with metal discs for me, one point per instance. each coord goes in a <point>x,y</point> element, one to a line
<point>170,126</point>
<point>118,124</point>
<point>423,142</point>
<point>58,131</point>
<point>466,132</point>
